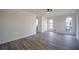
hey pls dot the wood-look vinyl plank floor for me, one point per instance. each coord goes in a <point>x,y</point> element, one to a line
<point>43,41</point>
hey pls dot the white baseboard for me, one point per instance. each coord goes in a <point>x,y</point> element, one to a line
<point>2,42</point>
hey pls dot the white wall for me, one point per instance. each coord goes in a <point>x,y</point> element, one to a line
<point>39,23</point>
<point>59,23</point>
<point>77,24</point>
<point>15,24</point>
<point>42,23</point>
<point>78,28</point>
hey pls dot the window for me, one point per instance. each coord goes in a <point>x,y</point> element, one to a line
<point>50,24</point>
<point>36,22</point>
<point>68,24</point>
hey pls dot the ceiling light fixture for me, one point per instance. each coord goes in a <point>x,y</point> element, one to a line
<point>49,10</point>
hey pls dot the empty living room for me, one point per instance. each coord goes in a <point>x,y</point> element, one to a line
<point>39,29</point>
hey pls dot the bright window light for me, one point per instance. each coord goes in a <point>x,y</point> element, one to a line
<point>50,24</point>
<point>69,24</point>
<point>36,22</point>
